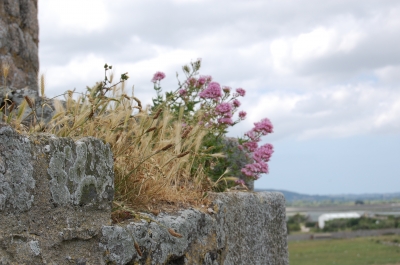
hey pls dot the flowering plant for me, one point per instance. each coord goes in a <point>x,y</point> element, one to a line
<point>200,101</point>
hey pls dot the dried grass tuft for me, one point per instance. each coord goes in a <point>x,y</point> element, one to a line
<point>156,162</point>
<point>148,170</point>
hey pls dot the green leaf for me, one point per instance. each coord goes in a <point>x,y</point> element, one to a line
<point>190,106</point>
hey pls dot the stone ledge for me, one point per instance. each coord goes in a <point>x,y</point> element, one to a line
<point>55,208</point>
<point>245,228</point>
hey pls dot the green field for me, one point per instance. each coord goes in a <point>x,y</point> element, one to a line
<point>354,251</point>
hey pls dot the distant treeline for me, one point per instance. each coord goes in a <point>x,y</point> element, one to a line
<point>351,224</point>
<point>298,199</point>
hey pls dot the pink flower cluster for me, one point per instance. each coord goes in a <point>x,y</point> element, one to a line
<point>262,154</point>
<point>241,92</point>
<point>251,146</point>
<point>223,108</point>
<point>213,91</point>
<point>242,114</point>
<point>225,120</point>
<point>264,127</point>
<point>158,77</point>
<point>220,111</point>
<point>219,105</point>
<point>254,170</point>
<point>204,79</point>
<point>236,103</point>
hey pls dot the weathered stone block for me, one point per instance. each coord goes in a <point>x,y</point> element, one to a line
<point>244,228</point>
<point>55,195</point>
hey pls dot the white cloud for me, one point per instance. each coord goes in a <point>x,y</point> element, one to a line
<point>389,74</point>
<point>75,15</point>
<point>388,120</point>
<point>280,53</point>
<point>349,41</point>
<point>292,53</point>
<point>312,73</point>
<point>330,113</point>
<point>76,73</point>
<point>312,45</point>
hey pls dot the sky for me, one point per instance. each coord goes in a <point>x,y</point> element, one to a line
<point>326,73</point>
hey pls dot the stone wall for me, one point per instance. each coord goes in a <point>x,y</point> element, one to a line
<point>55,208</point>
<point>19,38</point>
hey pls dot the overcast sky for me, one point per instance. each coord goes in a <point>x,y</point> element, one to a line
<point>326,73</point>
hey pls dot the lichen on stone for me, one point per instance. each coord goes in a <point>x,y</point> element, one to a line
<point>81,172</point>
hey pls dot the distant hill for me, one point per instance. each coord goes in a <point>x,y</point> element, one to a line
<point>297,197</point>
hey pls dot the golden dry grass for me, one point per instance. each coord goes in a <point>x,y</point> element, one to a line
<point>156,161</point>
<point>153,155</point>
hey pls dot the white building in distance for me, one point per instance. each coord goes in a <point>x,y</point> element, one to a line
<point>331,216</point>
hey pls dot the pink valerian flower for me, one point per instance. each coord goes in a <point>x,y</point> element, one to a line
<point>240,182</point>
<point>204,79</point>
<point>226,89</point>
<point>263,153</point>
<point>240,147</point>
<point>236,103</point>
<point>264,126</point>
<point>225,121</point>
<point>213,91</point>
<point>223,108</point>
<point>158,77</point>
<point>241,91</point>
<point>254,170</point>
<point>253,136</point>
<point>250,146</point>
<point>182,92</point>
<point>242,114</point>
